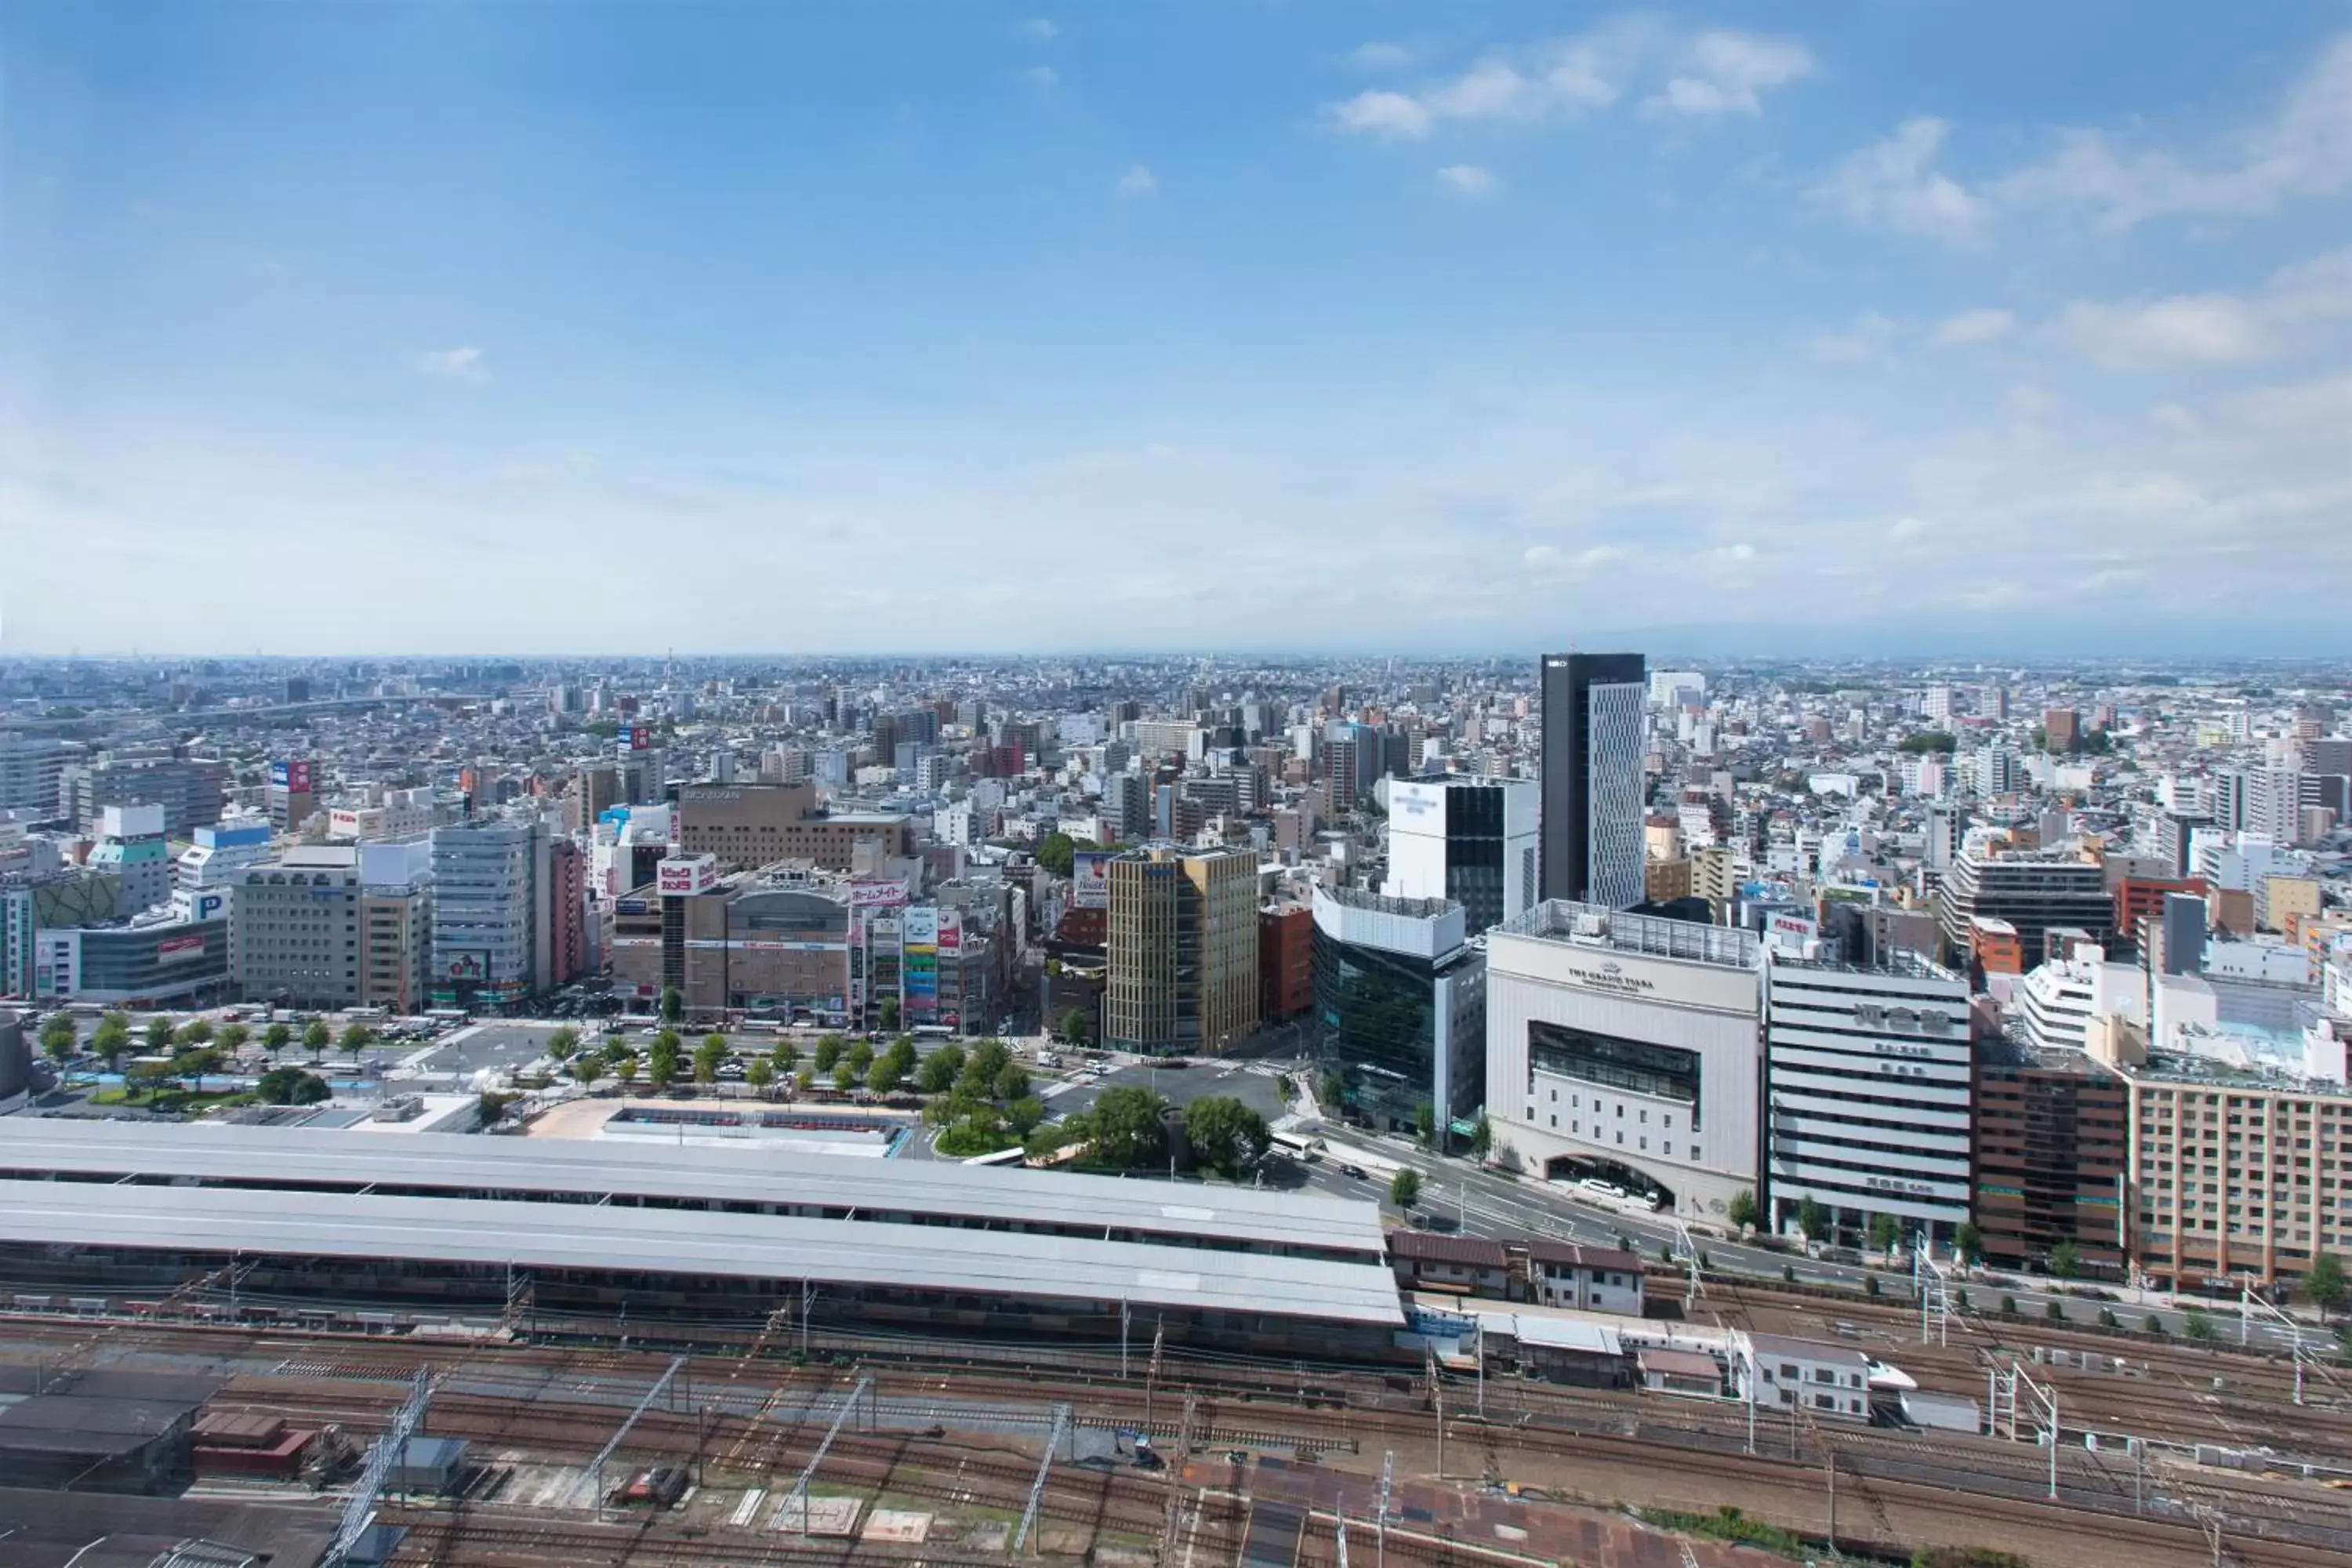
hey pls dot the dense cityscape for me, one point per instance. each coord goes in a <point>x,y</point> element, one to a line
<point>1521,984</point>
<point>1182,784</point>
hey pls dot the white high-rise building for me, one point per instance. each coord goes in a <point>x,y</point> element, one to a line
<point>1868,1080</point>
<point>1469,840</point>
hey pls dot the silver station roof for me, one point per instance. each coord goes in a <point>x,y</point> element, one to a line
<point>667,1241</point>
<point>296,1157</point>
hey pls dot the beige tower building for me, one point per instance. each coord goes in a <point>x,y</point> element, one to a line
<point>1182,967</point>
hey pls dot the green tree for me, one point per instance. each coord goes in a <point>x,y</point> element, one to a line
<point>845,1077</point>
<point>1481,1141</point>
<point>1968,1242</point>
<point>2197,1325</point>
<point>707,1057</point>
<point>1012,1081</point>
<point>357,1039</point>
<point>1405,1188</point>
<point>1741,1210</point>
<point>1885,1230</point>
<point>1424,1124</point>
<point>59,1038</point>
<point>196,1032</point>
<point>860,1055</point>
<point>786,1056</point>
<point>2065,1260</point>
<point>988,1058</point>
<point>886,1016</point>
<point>292,1086</point>
<point>1123,1128</point>
<point>562,1043</point>
<point>1225,1134</point>
<point>233,1037</point>
<point>661,1061</point>
<point>760,1074</point>
<point>672,1003</point>
<point>1927,741</point>
<point>1331,1090</point>
<point>276,1039</point>
<point>2325,1284</point>
<point>1024,1115</point>
<point>1813,1219</point>
<point>828,1052</point>
<point>317,1038</point>
<point>626,1066</point>
<point>109,1043</point>
<point>937,1072</point>
<point>1057,854</point>
<point>588,1067</point>
<point>194,1065</point>
<point>150,1075</point>
<point>159,1036</point>
<point>1075,1026</point>
<point>884,1074</point>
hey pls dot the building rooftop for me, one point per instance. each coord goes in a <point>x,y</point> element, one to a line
<point>1621,930</point>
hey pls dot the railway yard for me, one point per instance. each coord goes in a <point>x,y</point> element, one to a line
<point>842,1448</point>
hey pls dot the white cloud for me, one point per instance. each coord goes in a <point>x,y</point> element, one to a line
<point>2304,150</point>
<point>1868,339</point>
<point>2212,329</point>
<point>1040,27</point>
<point>1910,530</point>
<point>1699,75</point>
<point>1551,558</point>
<point>456,364</point>
<point>1137,181</point>
<point>2208,329</point>
<point>1727,557</point>
<point>1377,55</point>
<point>1467,178</point>
<point>1894,184</point>
<point>1725,72</point>
<point>2172,416</point>
<point>1042,76</point>
<point>1382,114</point>
<point>1972,327</point>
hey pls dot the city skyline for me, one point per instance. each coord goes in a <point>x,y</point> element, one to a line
<point>1795,330</point>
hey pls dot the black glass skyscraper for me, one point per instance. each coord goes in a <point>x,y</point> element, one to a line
<point>1592,788</point>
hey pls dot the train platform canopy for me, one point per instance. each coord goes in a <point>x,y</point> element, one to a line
<point>938,1195</point>
<point>611,1238</point>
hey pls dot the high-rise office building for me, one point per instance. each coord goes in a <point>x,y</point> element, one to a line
<point>396,917</point>
<point>2032,893</point>
<point>491,916</point>
<point>1400,1007</point>
<point>1470,840</point>
<point>1867,1080</point>
<point>1593,707</point>
<point>1180,949</point>
<point>297,924</point>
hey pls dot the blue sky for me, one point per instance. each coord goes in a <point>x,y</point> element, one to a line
<point>740,326</point>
